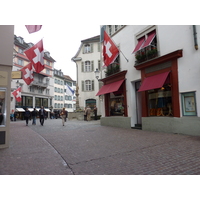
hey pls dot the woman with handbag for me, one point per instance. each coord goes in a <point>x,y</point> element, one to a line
<point>64,115</point>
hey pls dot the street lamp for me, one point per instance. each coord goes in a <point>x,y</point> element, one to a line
<point>97,74</point>
<point>17,83</point>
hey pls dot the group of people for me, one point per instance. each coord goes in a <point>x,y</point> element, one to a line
<point>33,114</point>
<point>42,115</point>
<point>87,115</point>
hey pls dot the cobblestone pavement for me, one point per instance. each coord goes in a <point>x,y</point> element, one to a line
<point>87,148</point>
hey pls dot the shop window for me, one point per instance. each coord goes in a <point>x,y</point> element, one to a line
<point>160,101</point>
<point>116,104</point>
<point>2,106</point>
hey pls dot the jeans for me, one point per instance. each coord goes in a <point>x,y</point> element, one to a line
<point>34,120</point>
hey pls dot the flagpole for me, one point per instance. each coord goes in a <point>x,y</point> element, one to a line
<point>123,55</point>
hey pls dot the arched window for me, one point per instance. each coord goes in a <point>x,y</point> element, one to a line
<point>87,48</point>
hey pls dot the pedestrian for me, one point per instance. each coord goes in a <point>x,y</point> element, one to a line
<point>15,116</point>
<point>34,115</point>
<point>95,112</point>
<point>88,112</point>
<point>27,115</point>
<point>85,114</point>
<point>42,114</point>
<point>64,115</point>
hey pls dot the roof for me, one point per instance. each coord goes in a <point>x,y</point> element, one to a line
<point>89,40</point>
<point>92,39</point>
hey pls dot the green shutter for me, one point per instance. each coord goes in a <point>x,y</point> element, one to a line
<point>92,65</point>
<point>82,85</point>
<point>91,47</point>
<point>92,85</point>
<point>82,66</point>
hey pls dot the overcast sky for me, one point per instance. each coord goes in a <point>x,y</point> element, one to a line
<point>62,42</point>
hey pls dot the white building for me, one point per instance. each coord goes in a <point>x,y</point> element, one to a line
<point>159,87</point>
<point>87,60</point>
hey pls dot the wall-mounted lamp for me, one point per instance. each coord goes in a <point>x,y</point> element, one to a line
<point>97,74</point>
<point>17,83</point>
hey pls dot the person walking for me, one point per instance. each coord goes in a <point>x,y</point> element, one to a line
<point>95,112</point>
<point>64,115</point>
<point>42,114</point>
<point>34,115</point>
<point>88,112</point>
<point>27,115</point>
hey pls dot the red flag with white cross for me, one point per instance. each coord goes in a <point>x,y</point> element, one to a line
<point>110,50</point>
<point>27,73</point>
<point>36,56</point>
<point>17,94</point>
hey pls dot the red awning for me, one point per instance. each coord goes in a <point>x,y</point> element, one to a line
<point>153,82</point>
<point>139,44</point>
<point>112,87</point>
<point>150,38</point>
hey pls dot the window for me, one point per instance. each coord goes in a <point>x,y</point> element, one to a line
<point>47,91</point>
<point>40,90</point>
<point>87,66</point>
<point>55,105</point>
<point>31,88</point>
<point>47,71</point>
<point>160,101</point>
<point>55,81</point>
<point>61,90</point>
<point>88,85</point>
<point>20,51</point>
<point>146,47</point>
<point>55,97</point>
<point>58,98</point>
<point>116,27</point>
<point>110,29</point>
<point>20,62</point>
<point>55,89</point>
<point>61,98</point>
<point>87,48</point>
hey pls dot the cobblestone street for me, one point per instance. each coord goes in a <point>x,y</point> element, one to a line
<point>87,148</point>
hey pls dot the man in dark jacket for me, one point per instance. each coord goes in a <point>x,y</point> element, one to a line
<point>42,114</point>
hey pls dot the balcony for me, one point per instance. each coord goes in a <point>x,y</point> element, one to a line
<point>112,69</point>
<point>146,54</point>
<point>39,84</point>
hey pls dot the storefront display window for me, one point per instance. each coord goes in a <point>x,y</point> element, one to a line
<point>160,101</point>
<point>189,104</point>
<point>2,106</point>
<point>116,105</point>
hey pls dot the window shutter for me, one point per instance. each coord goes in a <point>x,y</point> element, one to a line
<point>92,65</point>
<point>82,66</point>
<point>98,46</point>
<point>92,85</point>
<point>82,85</point>
<point>83,49</point>
<point>91,45</point>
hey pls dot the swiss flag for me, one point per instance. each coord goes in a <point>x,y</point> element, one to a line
<point>33,28</point>
<point>36,56</point>
<point>17,94</point>
<point>27,73</point>
<point>110,51</point>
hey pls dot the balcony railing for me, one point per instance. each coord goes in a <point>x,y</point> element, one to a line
<point>39,84</point>
<point>146,54</point>
<point>112,69</point>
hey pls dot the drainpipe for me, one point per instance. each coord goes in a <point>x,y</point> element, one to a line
<point>195,37</point>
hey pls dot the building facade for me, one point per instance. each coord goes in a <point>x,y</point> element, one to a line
<point>87,60</point>
<point>158,87</point>
<point>6,55</point>
<point>41,91</point>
